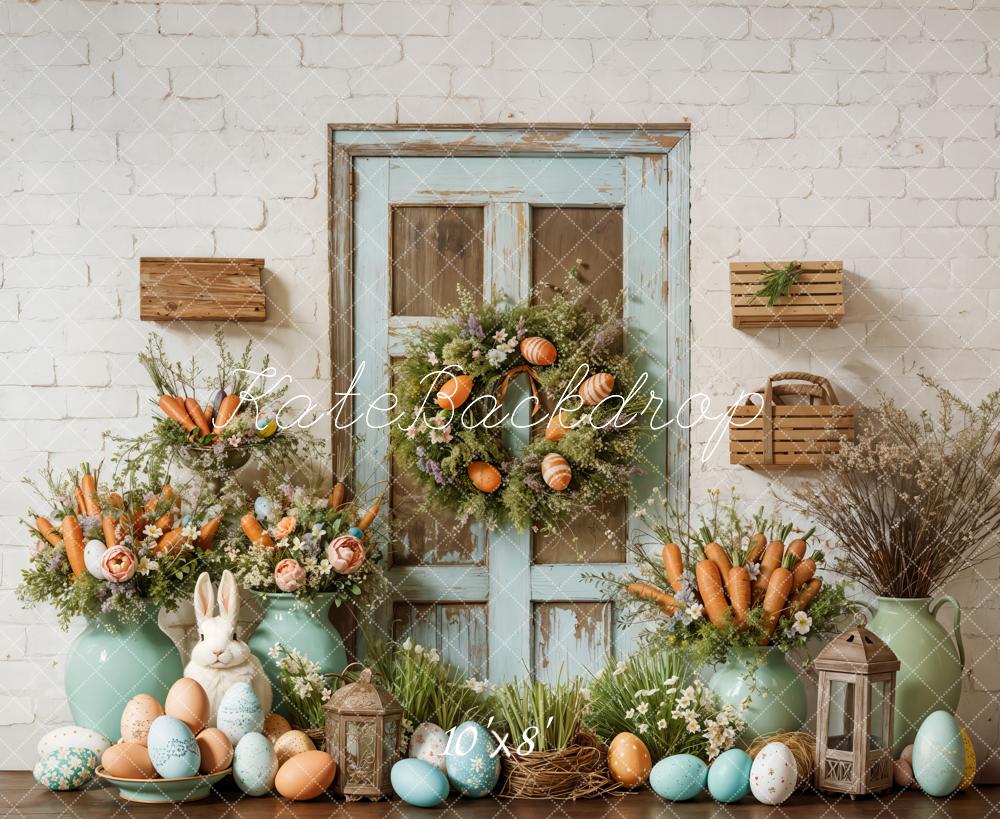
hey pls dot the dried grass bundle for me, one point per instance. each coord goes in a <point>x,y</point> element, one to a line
<point>578,771</point>
<point>913,502</point>
<point>803,747</point>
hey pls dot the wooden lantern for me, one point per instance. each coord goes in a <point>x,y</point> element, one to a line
<point>363,730</point>
<point>857,692</point>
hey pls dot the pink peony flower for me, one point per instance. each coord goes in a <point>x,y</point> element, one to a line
<point>118,564</point>
<point>284,528</point>
<point>289,576</point>
<point>346,553</point>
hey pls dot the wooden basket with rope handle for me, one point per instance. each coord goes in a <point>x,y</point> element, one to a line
<point>783,431</point>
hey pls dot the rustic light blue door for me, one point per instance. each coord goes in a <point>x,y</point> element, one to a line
<point>505,603</point>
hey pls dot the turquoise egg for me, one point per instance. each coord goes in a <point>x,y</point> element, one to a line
<point>939,754</point>
<point>419,783</point>
<point>679,777</point>
<point>240,712</point>
<point>472,768</point>
<point>261,507</point>
<point>254,764</point>
<point>173,750</point>
<point>66,769</point>
<point>729,776</point>
<point>354,531</point>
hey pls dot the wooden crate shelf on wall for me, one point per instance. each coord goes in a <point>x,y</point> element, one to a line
<point>201,289</point>
<point>816,299</point>
<point>779,433</point>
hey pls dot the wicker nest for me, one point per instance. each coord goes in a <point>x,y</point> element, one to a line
<point>578,771</point>
<point>803,747</point>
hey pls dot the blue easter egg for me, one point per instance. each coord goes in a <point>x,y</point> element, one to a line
<point>939,754</point>
<point>679,777</point>
<point>418,783</point>
<point>266,427</point>
<point>254,764</point>
<point>473,769</point>
<point>729,776</point>
<point>65,769</point>
<point>240,712</point>
<point>261,507</point>
<point>354,531</point>
<point>173,750</point>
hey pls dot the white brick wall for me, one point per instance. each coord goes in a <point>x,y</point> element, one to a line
<point>820,129</point>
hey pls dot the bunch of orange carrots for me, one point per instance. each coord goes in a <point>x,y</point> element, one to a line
<point>206,420</point>
<point>785,584</point>
<point>115,518</point>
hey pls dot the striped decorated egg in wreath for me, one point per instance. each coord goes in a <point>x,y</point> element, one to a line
<point>518,412</point>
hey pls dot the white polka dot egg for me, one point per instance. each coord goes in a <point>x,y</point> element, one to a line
<point>773,775</point>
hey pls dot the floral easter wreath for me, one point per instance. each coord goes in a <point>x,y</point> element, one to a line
<point>450,386</point>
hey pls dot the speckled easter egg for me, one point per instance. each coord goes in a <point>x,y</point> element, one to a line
<point>969,771</point>
<point>138,716</point>
<point>729,776</point>
<point>628,760</point>
<point>173,750</point>
<point>678,778</point>
<point>274,726</point>
<point>240,712</point>
<point>472,767</point>
<point>939,754</point>
<point>418,783</point>
<point>65,769</point>
<point>428,743</point>
<point>73,736</point>
<point>292,743</point>
<point>254,764</point>
<point>773,775</point>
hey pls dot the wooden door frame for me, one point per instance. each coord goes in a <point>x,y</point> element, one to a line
<point>671,141</point>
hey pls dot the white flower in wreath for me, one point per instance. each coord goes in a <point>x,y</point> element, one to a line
<point>802,623</point>
<point>146,566</point>
<point>497,356</point>
<point>152,532</point>
<point>432,357</point>
<point>695,610</point>
<point>753,569</point>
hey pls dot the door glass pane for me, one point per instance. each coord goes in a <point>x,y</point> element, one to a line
<point>436,249</point>
<point>560,236</point>
<point>878,724</point>
<point>840,720</point>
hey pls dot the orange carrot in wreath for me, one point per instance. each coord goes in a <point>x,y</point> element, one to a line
<point>227,409</point>
<point>254,531</point>
<point>73,539</point>
<point>803,597</point>
<point>798,546</point>
<point>47,530</point>
<point>804,570</point>
<point>757,545</point>
<point>78,505</point>
<point>208,411</point>
<point>713,596</point>
<point>194,410</point>
<point>164,521</point>
<point>739,592</point>
<point>207,534</point>
<point>668,603</point>
<point>336,499</point>
<point>88,489</point>
<point>108,527</point>
<point>779,587</point>
<point>173,408</point>
<point>770,561</point>
<point>171,543</point>
<point>370,515</point>
<point>673,563</point>
<point>714,552</point>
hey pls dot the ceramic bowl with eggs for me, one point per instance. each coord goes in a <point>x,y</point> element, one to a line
<point>157,791</point>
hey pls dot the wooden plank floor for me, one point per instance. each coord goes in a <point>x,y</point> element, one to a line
<point>20,796</point>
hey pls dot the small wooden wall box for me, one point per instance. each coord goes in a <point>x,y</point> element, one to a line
<point>200,289</point>
<point>816,299</point>
<point>789,435</point>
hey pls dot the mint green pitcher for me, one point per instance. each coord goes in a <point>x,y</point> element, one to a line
<point>931,662</point>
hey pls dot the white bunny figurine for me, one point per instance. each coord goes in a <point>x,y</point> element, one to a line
<point>220,658</point>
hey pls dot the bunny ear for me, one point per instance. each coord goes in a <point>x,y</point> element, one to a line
<point>229,597</point>
<point>203,604</point>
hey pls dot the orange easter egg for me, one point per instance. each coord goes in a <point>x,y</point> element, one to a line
<point>596,388</point>
<point>557,426</point>
<point>455,392</point>
<point>538,350</point>
<point>485,477</point>
<point>556,471</point>
<point>628,760</point>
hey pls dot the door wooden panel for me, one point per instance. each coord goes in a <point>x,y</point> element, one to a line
<point>423,224</point>
<point>436,250</point>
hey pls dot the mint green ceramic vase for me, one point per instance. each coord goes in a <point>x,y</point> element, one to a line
<point>931,661</point>
<point>114,659</point>
<point>298,625</point>
<point>776,694</point>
